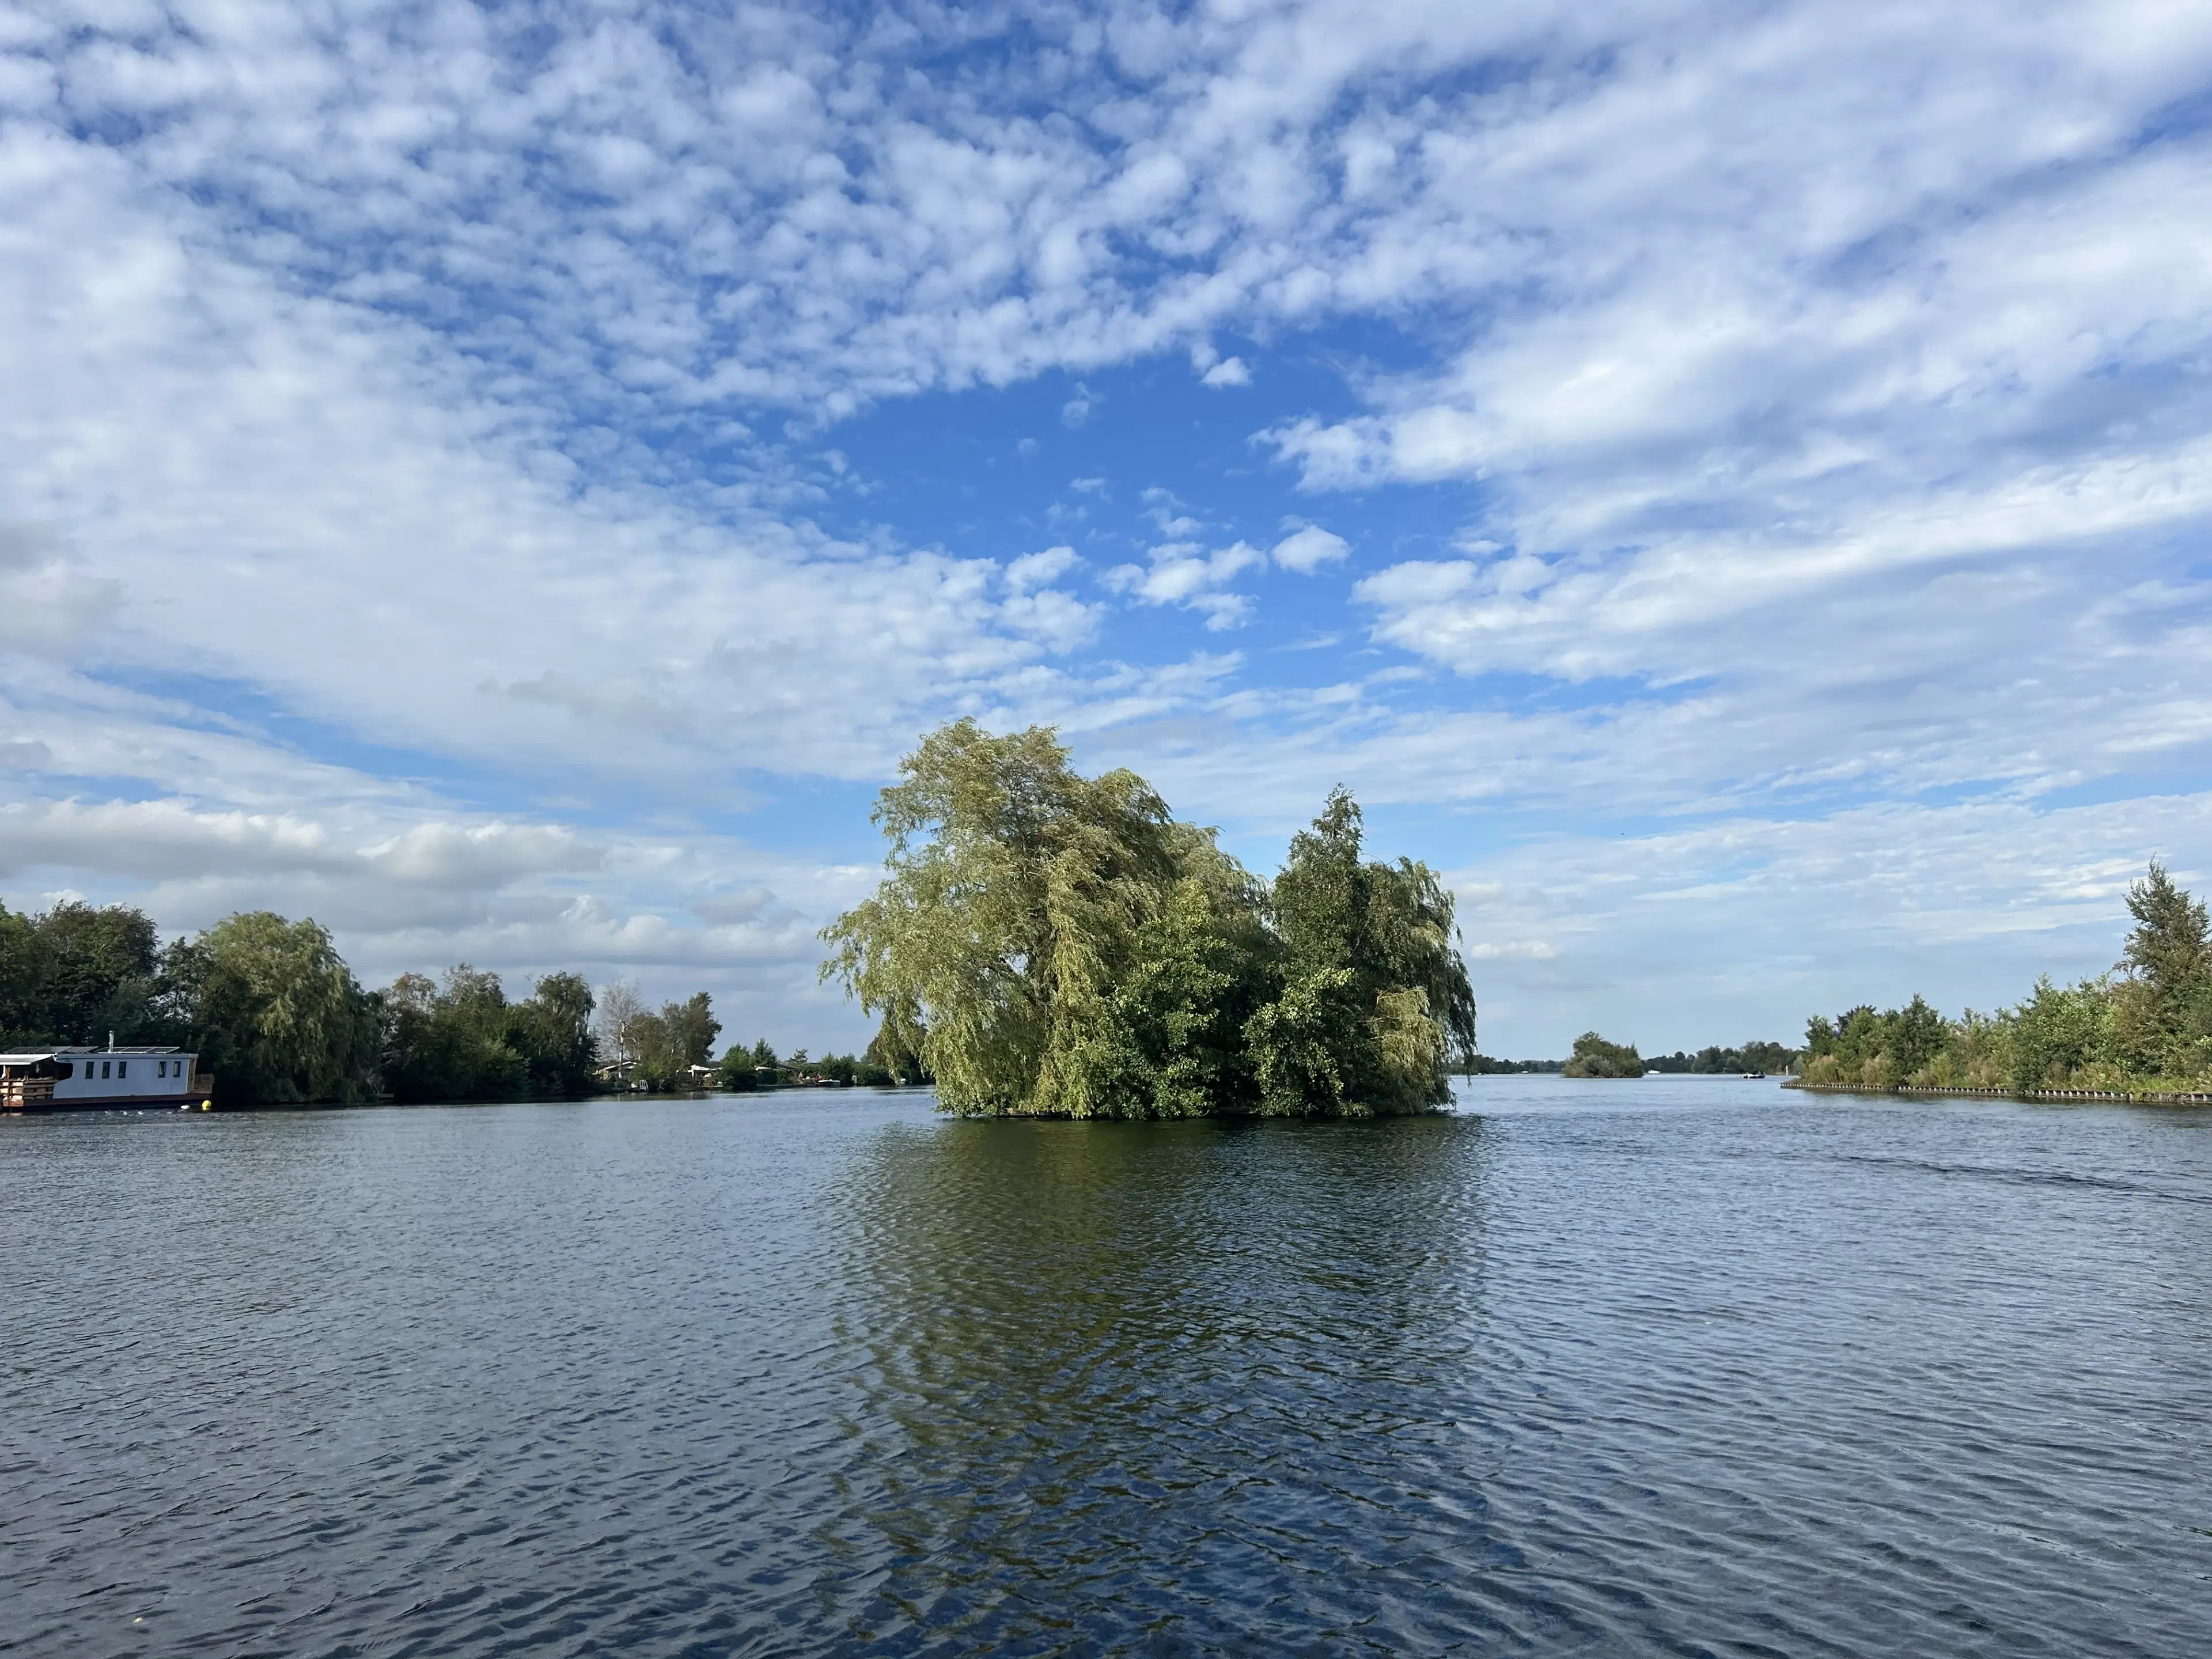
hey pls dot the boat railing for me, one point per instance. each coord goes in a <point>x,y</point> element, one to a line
<point>26,1094</point>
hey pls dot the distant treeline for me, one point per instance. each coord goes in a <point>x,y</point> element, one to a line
<point>1751,1057</point>
<point>275,1013</point>
<point>1594,1057</point>
<point>2145,1025</point>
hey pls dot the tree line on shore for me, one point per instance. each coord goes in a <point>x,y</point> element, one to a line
<point>1593,1056</point>
<point>2143,1026</point>
<point>276,1015</point>
<point>1051,944</point>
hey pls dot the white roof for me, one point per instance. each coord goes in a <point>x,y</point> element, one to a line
<point>30,1056</point>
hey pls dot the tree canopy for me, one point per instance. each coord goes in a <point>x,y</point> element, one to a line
<point>1052,945</point>
<point>275,1011</point>
<point>77,972</point>
<point>463,1040</point>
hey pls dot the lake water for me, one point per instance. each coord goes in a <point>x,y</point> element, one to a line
<point>1679,1366</point>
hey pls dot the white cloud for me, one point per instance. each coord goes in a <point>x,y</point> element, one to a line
<point>1745,927</point>
<point>1033,570</point>
<point>1183,574</point>
<point>1307,550</point>
<point>1826,430</point>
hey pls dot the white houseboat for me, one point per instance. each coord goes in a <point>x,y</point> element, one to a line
<point>100,1079</point>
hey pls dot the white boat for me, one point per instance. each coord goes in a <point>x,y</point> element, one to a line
<point>100,1079</point>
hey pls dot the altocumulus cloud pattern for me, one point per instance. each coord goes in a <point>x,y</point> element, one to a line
<point>1728,482</point>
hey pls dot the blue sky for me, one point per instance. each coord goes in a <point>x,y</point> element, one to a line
<point>1729,484</point>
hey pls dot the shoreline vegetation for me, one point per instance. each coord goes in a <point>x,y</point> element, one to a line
<point>1054,946</point>
<point>2142,1029</point>
<point>275,1014</point>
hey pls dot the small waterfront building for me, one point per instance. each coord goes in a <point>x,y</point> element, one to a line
<point>34,1079</point>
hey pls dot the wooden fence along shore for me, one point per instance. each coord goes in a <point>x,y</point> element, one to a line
<point>2139,1097</point>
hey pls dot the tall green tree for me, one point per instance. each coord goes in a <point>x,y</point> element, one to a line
<point>275,1012</point>
<point>77,972</point>
<point>1024,905</point>
<point>553,1030</point>
<point>2162,1010</point>
<point>21,1012</point>
<point>681,1036</point>
<point>1375,1007</point>
<point>737,1071</point>
<point>457,1040</point>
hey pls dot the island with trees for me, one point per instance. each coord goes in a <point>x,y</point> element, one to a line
<point>1593,1056</point>
<point>1049,945</point>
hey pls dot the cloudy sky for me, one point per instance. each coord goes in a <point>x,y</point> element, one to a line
<point>1729,482</point>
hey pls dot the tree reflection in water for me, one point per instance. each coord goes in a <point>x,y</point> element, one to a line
<point>1143,1378</point>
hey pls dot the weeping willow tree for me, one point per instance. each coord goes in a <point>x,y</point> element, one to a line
<point>275,1012</point>
<point>1051,944</point>
<point>1375,1002</point>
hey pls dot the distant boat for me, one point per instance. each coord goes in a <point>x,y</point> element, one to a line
<point>1749,1075</point>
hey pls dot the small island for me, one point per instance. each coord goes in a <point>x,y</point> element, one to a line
<point>1594,1057</point>
<point>1049,945</point>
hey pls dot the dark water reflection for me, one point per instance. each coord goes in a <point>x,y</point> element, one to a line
<point>1675,1366</point>
<point>1138,1384</point>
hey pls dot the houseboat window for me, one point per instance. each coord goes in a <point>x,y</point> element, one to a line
<point>103,1068</point>
<point>160,1068</point>
<point>123,1068</point>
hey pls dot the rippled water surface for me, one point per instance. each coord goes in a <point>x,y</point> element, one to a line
<point>1671,1366</point>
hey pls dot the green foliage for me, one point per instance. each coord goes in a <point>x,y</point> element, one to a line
<point>553,1032</point>
<point>736,1071</point>
<point>449,1043</point>
<point>1049,944</point>
<point>2148,1026</point>
<point>463,1040</point>
<point>2162,1005</point>
<point>1594,1057</point>
<point>666,1045</point>
<point>2059,1033</point>
<point>896,1059</point>
<point>77,972</point>
<point>768,1068</point>
<point>1872,1049</point>
<point>1375,998</point>
<point>274,1012</point>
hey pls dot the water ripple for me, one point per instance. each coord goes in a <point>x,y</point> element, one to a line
<point>1676,1367</point>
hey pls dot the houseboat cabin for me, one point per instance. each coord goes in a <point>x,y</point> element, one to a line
<point>96,1079</point>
